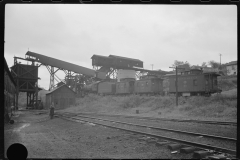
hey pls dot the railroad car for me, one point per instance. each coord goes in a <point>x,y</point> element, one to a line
<point>106,88</point>
<point>125,87</point>
<point>149,85</point>
<point>9,91</point>
<point>91,88</point>
<point>194,82</point>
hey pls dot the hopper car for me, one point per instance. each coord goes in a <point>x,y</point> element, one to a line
<point>126,86</point>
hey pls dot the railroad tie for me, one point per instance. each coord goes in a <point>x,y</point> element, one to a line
<point>174,147</point>
<point>201,154</point>
<point>188,150</point>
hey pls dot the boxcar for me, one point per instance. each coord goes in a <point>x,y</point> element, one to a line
<point>149,86</point>
<point>125,87</point>
<point>194,82</point>
<point>106,88</point>
<point>91,88</point>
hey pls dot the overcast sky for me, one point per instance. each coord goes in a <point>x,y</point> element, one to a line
<point>155,34</point>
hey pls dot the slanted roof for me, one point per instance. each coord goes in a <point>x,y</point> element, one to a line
<point>95,55</point>
<point>231,63</point>
<point>60,87</point>
<point>132,59</point>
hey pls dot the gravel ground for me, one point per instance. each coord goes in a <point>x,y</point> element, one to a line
<point>58,138</point>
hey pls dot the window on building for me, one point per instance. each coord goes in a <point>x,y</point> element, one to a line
<point>195,82</point>
<point>184,83</point>
<point>206,82</point>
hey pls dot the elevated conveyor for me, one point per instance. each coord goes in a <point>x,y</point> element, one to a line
<point>45,60</point>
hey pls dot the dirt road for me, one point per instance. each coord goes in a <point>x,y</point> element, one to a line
<point>58,138</point>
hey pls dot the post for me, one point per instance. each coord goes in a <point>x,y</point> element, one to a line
<point>17,94</point>
<point>176,88</point>
<point>220,58</point>
<point>176,83</point>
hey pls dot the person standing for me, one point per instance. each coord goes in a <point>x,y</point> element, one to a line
<point>52,110</point>
<point>12,109</point>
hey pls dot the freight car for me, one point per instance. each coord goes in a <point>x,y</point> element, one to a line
<point>91,88</point>
<point>125,86</point>
<point>194,82</point>
<point>149,85</point>
<point>106,88</point>
<point>9,92</point>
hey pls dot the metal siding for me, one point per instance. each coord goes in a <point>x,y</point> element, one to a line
<point>122,87</point>
<point>105,87</point>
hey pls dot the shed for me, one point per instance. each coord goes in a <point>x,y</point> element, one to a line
<point>62,97</point>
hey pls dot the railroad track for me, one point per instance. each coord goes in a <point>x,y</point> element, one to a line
<point>168,119</point>
<point>201,149</point>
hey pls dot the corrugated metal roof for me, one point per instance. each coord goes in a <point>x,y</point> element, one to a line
<point>58,88</point>
<point>95,55</point>
<point>132,59</point>
<point>65,65</point>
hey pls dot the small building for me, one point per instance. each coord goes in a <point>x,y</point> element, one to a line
<point>231,68</point>
<point>62,97</point>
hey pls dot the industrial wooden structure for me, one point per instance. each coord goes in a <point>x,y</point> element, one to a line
<point>61,96</point>
<point>26,78</point>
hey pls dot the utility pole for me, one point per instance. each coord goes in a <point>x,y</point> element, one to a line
<point>152,66</point>
<point>176,83</point>
<point>220,60</point>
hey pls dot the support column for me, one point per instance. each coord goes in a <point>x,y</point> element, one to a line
<point>27,99</point>
<point>17,93</point>
<point>36,95</point>
<point>51,78</point>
